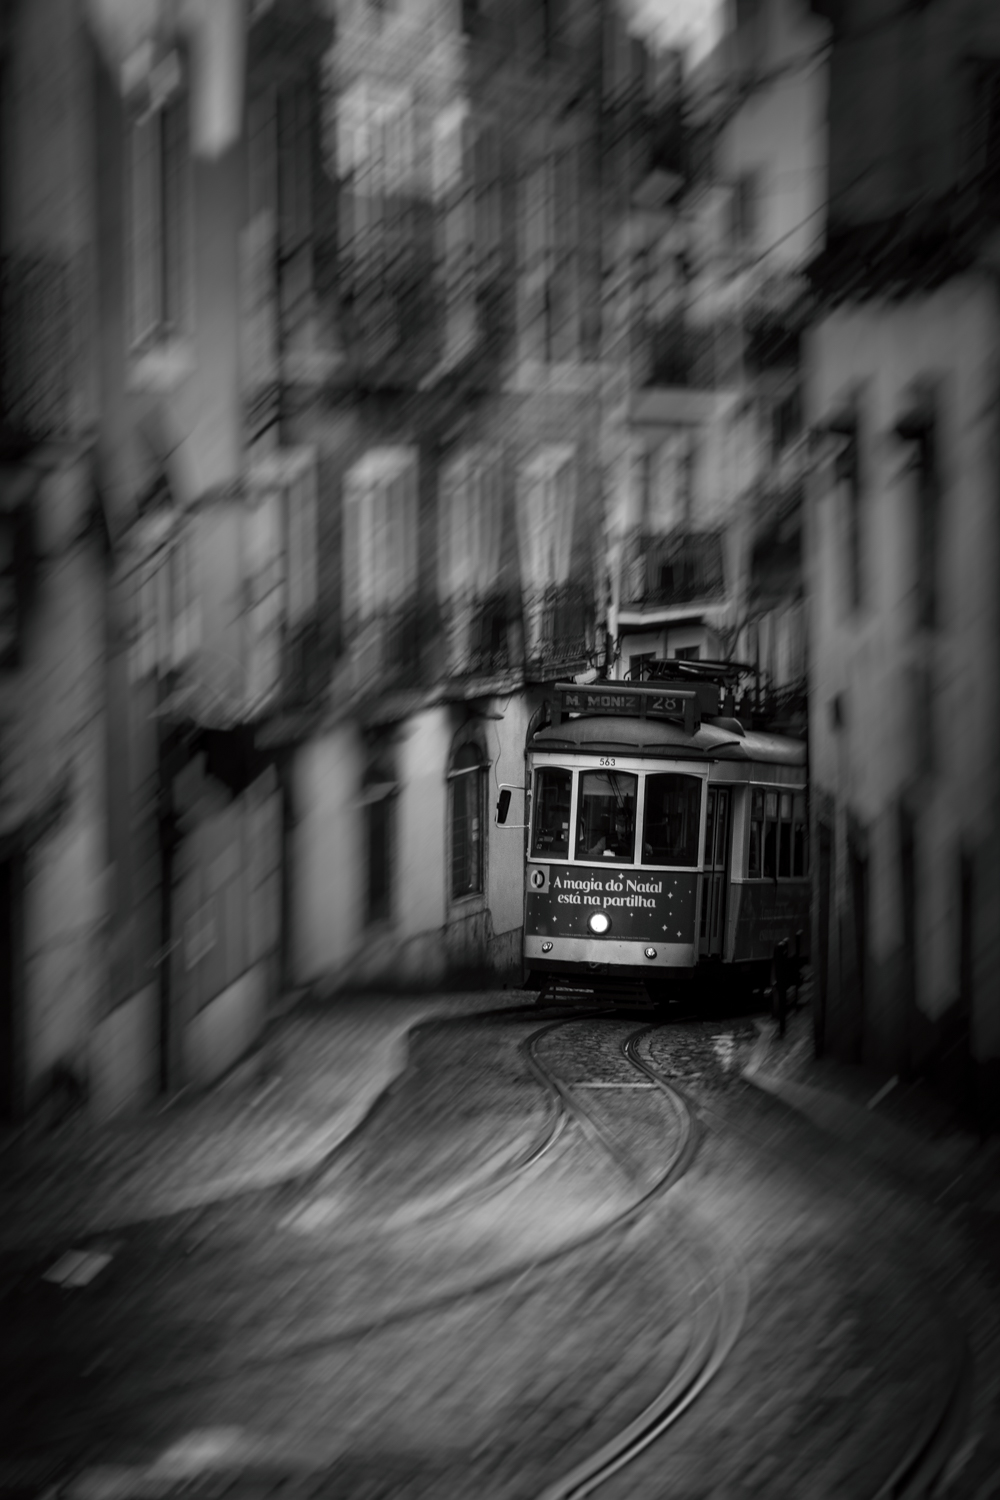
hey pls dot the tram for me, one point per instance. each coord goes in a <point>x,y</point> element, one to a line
<point>663,840</point>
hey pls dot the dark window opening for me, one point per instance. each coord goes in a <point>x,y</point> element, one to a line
<point>928,503</point>
<point>743,224</point>
<point>687,653</point>
<point>606,822</point>
<point>778,844</point>
<point>672,819</point>
<point>786,422</point>
<point>639,666</point>
<point>986,138</point>
<point>379,859</point>
<point>468,790</point>
<point>689,567</point>
<point>553,794</point>
<point>847,473</point>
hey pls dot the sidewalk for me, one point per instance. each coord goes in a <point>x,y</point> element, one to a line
<point>315,1077</point>
<point>905,1129</point>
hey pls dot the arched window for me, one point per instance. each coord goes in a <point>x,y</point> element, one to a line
<point>467,797</point>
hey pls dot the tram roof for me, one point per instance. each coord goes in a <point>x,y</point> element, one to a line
<point>648,737</point>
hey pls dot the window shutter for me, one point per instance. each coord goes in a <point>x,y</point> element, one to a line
<point>303,539</point>
<point>175,168</point>
<point>488,207</point>
<point>546,510</point>
<point>380,531</point>
<point>538,261</point>
<point>352,581</point>
<point>145,226</point>
<point>295,171</point>
<point>187,620</point>
<point>402,540</point>
<point>9,612</point>
<point>265,575</point>
<point>447,149</point>
<point>453,526</point>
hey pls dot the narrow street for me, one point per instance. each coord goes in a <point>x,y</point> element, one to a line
<point>539,1241</point>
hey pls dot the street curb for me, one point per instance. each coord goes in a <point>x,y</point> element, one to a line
<point>315,1153</point>
<point>880,1141</point>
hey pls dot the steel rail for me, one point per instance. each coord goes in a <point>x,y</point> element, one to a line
<point>708,1351</point>
<point>496,1281</point>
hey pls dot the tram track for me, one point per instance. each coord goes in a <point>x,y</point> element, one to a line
<point>568,1111</point>
<point>925,1452</point>
<point>715,1323</point>
<point>718,1297</point>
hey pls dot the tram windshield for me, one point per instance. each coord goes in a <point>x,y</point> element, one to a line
<point>606,822</point>
<point>672,819</point>
<point>553,794</point>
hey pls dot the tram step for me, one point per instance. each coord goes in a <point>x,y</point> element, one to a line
<point>599,993</point>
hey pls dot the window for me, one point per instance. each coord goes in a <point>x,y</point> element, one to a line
<point>638,666</point>
<point>689,566</point>
<point>546,506</point>
<point>158,213</point>
<point>606,823</point>
<point>291,473</point>
<point>985,136</point>
<point>671,821</point>
<point>380,531</point>
<point>470,515</point>
<point>928,529</point>
<point>744,212</point>
<point>13,577</point>
<point>800,836</point>
<point>550,293</point>
<point>378,804</point>
<point>553,795</point>
<point>847,473</point>
<point>687,653</point>
<point>778,836</point>
<point>467,783</point>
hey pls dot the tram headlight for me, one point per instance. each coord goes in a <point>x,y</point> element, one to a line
<point>546,947</point>
<point>650,952</point>
<point>599,922</point>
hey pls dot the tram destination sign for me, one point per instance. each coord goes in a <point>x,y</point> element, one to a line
<point>629,701</point>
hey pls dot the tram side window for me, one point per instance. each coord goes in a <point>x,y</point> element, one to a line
<point>800,836</point>
<point>755,861</point>
<point>606,826</point>
<point>785,834</point>
<point>673,815</point>
<point>550,836</point>
<point>770,835</point>
<point>778,848</point>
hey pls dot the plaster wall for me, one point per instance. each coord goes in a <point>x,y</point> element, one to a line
<point>916,722</point>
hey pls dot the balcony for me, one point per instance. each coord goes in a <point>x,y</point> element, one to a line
<point>560,631</point>
<point>682,569</point>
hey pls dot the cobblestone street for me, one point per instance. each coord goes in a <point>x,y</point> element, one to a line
<point>397,1274</point>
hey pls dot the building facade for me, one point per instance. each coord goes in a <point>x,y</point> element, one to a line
<point>304,371</point>
<point>903,551</point>
<point>708,441</point>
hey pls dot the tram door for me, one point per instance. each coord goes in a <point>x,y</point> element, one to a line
<point>716,876</point>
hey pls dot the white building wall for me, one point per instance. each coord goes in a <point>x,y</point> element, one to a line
<point>871,658</point>
<point>505,866</point>
<point>419,868</point>
<point>57,737</point>
<point>327,855</point>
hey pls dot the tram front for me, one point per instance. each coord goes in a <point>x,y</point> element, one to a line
<point>615,832</point>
